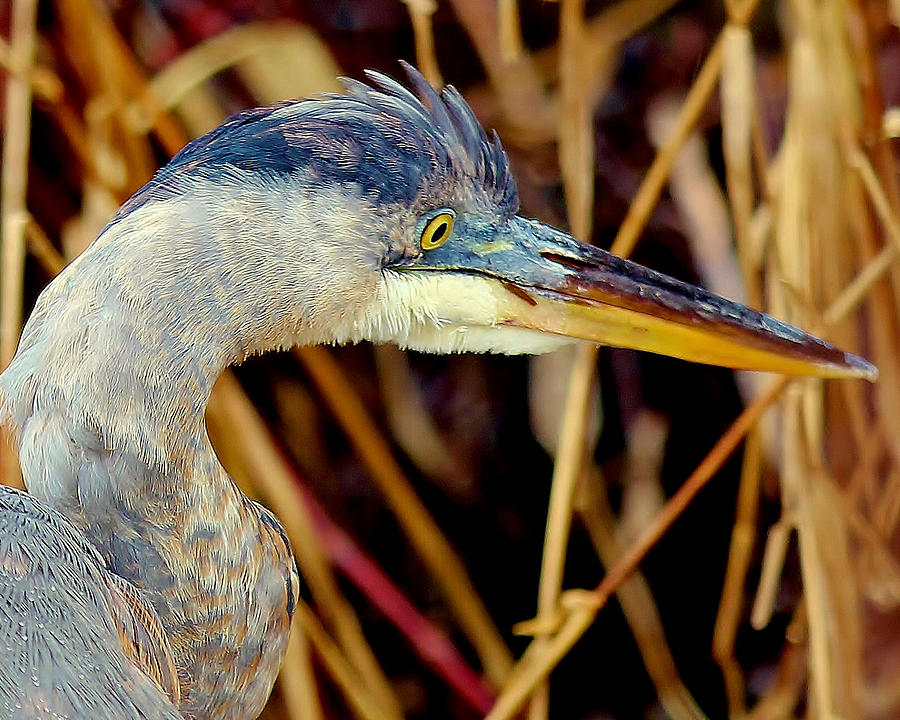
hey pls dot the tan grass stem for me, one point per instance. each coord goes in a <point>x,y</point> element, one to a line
<point>427,539</point>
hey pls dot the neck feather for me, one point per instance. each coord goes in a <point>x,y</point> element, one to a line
<point>107,394</point>
<point>131,337</point>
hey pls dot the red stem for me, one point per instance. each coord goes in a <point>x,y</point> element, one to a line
<point>431,644</point>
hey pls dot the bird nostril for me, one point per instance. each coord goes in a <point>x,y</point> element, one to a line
<point>566,260</point>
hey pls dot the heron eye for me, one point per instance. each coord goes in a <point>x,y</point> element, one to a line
<point>437,231</point>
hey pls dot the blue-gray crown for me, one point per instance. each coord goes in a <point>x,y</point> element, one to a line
<point>390,143</point>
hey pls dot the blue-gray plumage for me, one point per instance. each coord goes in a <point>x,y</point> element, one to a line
<point>61,601</point>
<point>135,574</point>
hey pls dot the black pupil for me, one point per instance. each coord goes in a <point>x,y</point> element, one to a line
<point>439,232</point>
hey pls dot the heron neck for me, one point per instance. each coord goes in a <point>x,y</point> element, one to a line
<point>131,337</point>
<point>107,393</point>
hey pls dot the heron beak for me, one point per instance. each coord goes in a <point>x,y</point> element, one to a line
<point>568,288</point>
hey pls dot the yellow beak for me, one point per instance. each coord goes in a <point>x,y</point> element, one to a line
<point>577,290</point>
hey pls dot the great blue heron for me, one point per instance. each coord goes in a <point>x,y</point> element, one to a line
<point>135,578</point>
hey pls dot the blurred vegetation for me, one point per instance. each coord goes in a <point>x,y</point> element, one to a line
<point>744,148</point>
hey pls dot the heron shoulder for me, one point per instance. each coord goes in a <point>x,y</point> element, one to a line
<point>77,641</point>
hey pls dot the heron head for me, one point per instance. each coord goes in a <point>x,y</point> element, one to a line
<point>398,221</point>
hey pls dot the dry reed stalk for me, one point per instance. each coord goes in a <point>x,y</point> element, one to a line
<point>297,679</point>
<point>430,643</point>
<point>645,199</point>
<point>582,606</point>
<point>860,114</point>
<point>885,566</point>
<point>636,600</point>
<point>576,160</point>
<point>648,194</point>
<point>112,76</point>
<point>890,123</point>
<point>605,31</point>
<point>828,697</point>
<point>774,554</point>
<point>421,14</point>
<point>511,45</point>
<point>427,540</point>
<point>570,460</point>
<point>861,286</point>
<point>294,63</point>
<point>42,249</point>
<point>180,85</point>
<point>45,84</point>
<point>740,552</point>
<point>232,412</point>
<point>625,240</point>
<point>738,98</point>
<point>412,426</point>
<point>13,190</point>
<point>887,514</point>
<point>641,479</point>
<point>701,205</point>
<point>73,129</point>
<point>810,261</point>
<point>786,690</point>
<point>858,33</point>
<point>616,23</point>
<point>527,113</point>
<point>110,70</point>
<point>870,444</point>
<point>353,688</point>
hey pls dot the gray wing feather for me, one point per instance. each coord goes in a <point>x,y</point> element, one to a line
<point>76,641</point>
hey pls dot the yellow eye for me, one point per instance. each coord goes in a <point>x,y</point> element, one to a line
<point>437,231</point>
